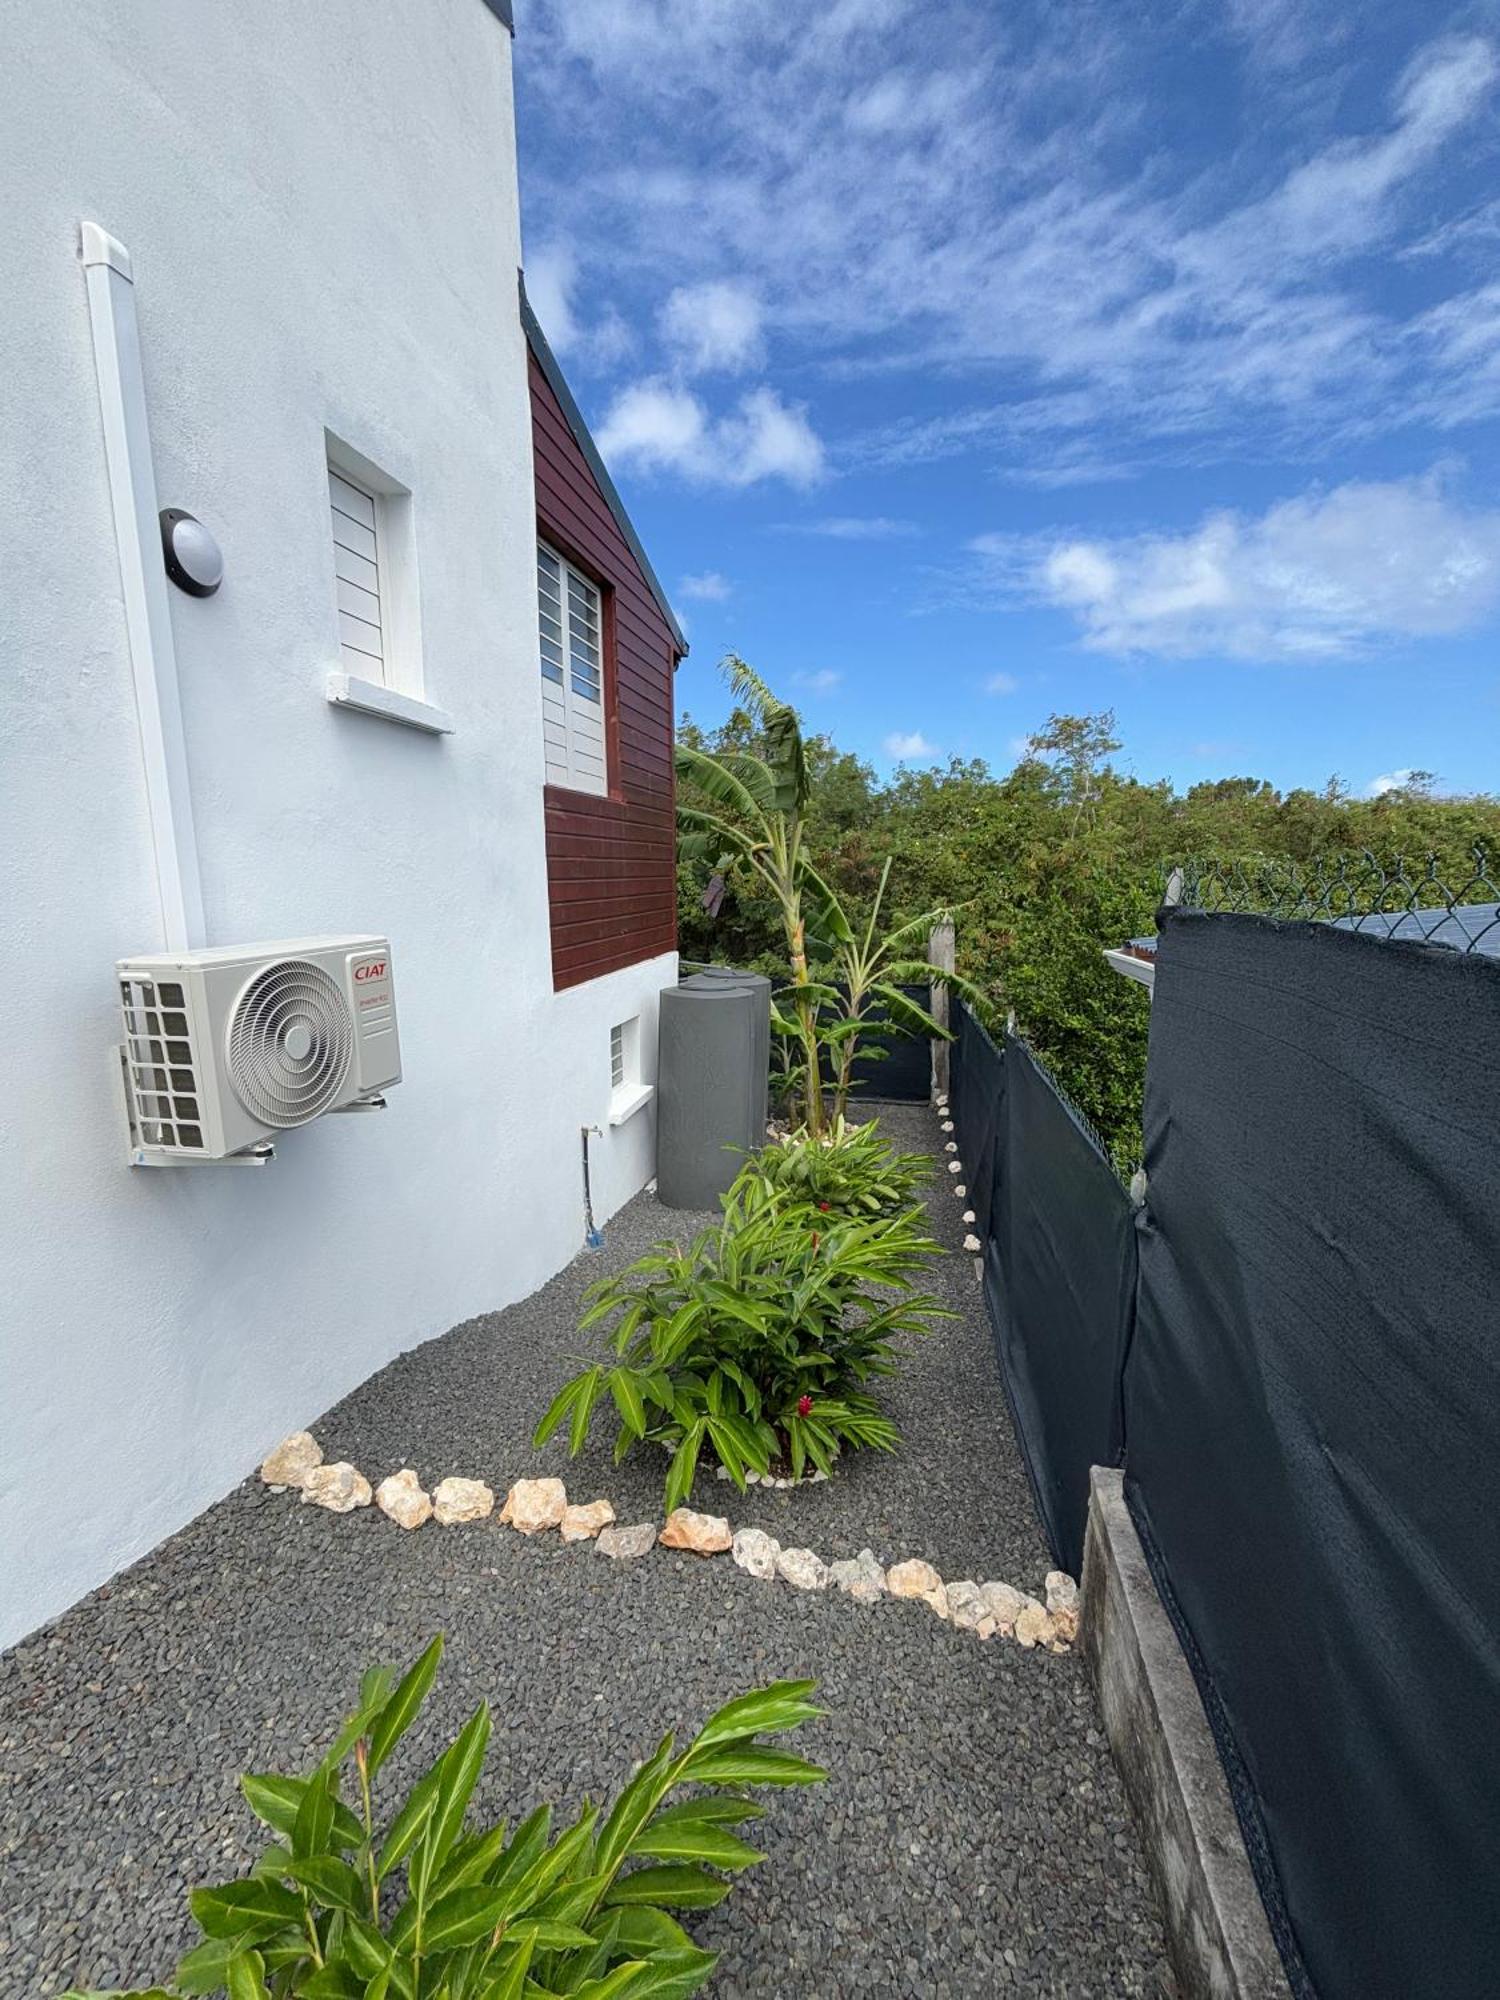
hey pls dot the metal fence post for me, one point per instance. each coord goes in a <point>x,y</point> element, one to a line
<point>941,952</point>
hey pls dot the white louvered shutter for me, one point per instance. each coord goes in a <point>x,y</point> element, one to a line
<point>363,639</point>
<point>570,616</point>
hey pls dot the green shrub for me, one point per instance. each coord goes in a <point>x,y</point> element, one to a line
<point>483,1913</point>
<point>756,1342</point>
<point>851,1171</point>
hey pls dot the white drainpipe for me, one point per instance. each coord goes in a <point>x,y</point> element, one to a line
<point>143,583</point>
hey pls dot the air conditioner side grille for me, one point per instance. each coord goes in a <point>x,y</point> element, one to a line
<point>163,1074</point>
<point>290,1042</point>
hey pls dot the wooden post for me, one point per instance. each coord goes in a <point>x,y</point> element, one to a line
<point>941,953</point>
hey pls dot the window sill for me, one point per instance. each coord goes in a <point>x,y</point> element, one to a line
<point>346,691</point>
<point>628,1099</point>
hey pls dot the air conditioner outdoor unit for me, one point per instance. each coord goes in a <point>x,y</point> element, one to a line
<point>224,1048</point>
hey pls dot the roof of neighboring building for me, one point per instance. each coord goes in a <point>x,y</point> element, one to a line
<point>547,361</point>
<point>503,12</point>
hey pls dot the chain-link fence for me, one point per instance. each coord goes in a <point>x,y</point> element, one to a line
<point>1444,899</point>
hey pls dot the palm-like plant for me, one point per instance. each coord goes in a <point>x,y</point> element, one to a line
<point>754,814</point>
<point>866,973</point>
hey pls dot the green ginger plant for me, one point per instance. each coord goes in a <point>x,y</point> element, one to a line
<point>852,1170</point>
<point>431,1909</point>
<point>755,1343</point>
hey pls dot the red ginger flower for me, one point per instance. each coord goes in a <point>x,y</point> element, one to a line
<point>824,1206</point>
<point>804,1406</point>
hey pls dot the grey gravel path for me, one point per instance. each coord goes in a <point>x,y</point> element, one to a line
<point>972,1838</point>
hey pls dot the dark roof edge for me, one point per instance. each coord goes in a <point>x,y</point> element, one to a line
<point>503,12</point>
<point>558,384</point>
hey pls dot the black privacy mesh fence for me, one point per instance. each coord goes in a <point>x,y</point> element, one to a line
<point>1313,1422</point>
<point>1059,1264</point>
<point>1305,1318</point>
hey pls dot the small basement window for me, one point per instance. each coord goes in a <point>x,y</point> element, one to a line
<point>570,618</point>
<point>627,1093</point>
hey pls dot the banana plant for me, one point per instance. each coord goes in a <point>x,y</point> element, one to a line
<point>865,972</point>
<point>753,816</point>
<point>430,1908</point>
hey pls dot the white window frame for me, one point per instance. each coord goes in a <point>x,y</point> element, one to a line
<point>392,684</point>
<point>575,727</point>
<point>627,1091</point>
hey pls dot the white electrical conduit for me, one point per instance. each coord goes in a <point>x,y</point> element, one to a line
<point>143,583</point>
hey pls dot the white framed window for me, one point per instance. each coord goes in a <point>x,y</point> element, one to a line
<point>627,1091</point>
<point>374,551</point>
<point>570,619</point>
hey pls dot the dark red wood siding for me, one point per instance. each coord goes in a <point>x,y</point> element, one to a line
<point>611,872</point>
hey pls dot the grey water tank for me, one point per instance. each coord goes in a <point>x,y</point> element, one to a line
<point>712,1079</point>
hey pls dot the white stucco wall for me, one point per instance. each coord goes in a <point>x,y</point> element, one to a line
<point>320,205</point>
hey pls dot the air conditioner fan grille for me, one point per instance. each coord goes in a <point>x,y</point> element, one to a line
<point>290,1043</point>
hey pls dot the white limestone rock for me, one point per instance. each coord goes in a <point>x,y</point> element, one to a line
<point>970,1217</point>
<point>704,1534</point>
<point>973,1245</point>
<point>1062,1604</point>
<point>802,1569</point>
<point>403,1499</point>
<point>960,1192</point>
<point>1004,1604</point>
<point>918,1579</point>
<point>291,1461</point>
<point>951,1147</point>
<point>581,1524</point>
<point>457,1500</point>
<point>947,1125</point>
<point>340,1488</point>
<point>756,1552</point>
<point>862,1578</point>
<point>627,1544</point>
<point>955,1167</point>
<point>533,1505</point>
<point>966,1606</point>
<point>1034,1625</point>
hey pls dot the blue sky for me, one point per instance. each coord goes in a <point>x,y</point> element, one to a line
<point>960,362</point>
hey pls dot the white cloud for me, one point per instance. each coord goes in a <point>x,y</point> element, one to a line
<point>1326,575</point>
<point>657,426</point>
<point>904,745</point>
<point>851,528</point>
<point>1001,684</point>
<point>551,274</point>
<point>822,682</point>
<point>710,587</point>
<point>1014,209</point>
<point>714,325</point>
<point>1389,781</point>
<point>551,286</point>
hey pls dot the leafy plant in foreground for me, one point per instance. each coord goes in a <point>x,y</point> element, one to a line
<point>757,1341</point>
<point>853,1170</point>
<point>432,1909</point>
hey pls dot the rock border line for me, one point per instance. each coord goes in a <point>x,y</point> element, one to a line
<point>536,1506</point>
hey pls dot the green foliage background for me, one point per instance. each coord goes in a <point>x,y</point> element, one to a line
<point>1053,862</point>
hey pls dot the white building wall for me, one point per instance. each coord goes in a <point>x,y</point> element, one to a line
<point>320,206</point>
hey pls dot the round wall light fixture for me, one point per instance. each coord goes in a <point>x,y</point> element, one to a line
<point>191,553</point>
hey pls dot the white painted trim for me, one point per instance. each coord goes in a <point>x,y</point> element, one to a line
<point>628,1099</point>
<point>370,698</point>
<point>143,584</point>
<point>1142,969</point>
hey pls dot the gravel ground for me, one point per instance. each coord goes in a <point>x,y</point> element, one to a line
<point>972,1838</point>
